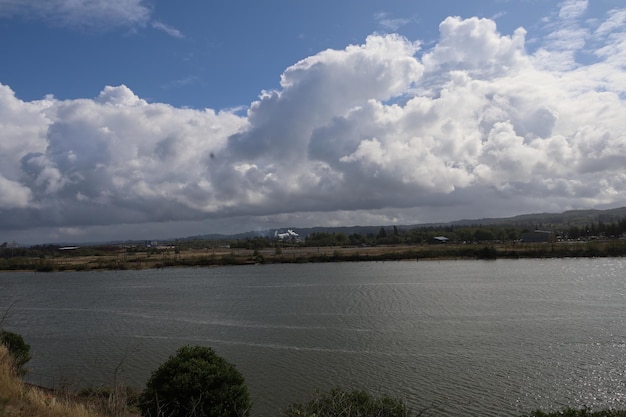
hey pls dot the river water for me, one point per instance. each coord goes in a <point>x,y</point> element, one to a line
<point>471,338</point>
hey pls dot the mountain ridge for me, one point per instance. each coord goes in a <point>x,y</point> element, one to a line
<point>533,220</point>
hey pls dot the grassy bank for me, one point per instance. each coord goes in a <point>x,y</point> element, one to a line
<point>18,399</point>
<point>122,258</point>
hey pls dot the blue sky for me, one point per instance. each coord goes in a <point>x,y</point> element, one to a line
<point>215,54</point>
<point>153,119</point>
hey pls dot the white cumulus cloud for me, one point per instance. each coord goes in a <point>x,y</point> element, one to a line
<point>474,126</point>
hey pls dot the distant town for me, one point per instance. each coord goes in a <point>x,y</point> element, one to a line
<point>571,234</point>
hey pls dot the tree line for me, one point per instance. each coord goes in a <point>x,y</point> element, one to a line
<point>393,235</point>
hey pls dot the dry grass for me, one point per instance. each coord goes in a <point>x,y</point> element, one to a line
<point>18,399</point>
<point>188,257</point>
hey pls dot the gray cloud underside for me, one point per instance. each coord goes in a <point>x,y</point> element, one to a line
<point>474,125</point>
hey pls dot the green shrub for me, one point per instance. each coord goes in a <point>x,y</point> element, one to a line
<point>338,402</point>
<point>17,347</point>
<point>582,412</point>
<point>195,382</point>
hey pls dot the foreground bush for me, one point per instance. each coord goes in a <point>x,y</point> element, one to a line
<point>18,348</point>
<point>584,412</point>
<point>195,382</point>
<point>340,403</point>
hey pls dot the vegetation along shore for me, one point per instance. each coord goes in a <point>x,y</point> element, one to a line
<point>197,382</point>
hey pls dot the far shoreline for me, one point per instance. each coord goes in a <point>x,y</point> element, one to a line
<point>122,258</point>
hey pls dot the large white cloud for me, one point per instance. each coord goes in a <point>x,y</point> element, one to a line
<point>473,45</point>
<point>474,126</point>
<point>116,159</point>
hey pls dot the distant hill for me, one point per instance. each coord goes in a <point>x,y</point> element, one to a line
<point>530,221</point>
<point>302,232</point>
<point>545,220</point>
<point>567,218</point>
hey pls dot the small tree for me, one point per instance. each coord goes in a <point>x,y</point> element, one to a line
<point>18,348</point>
<point>195,382</point>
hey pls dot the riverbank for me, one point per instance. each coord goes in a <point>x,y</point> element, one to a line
<point>124,258</point>
<point>19,399</point>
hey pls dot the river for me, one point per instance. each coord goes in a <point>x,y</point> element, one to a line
<point>471,338</point>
